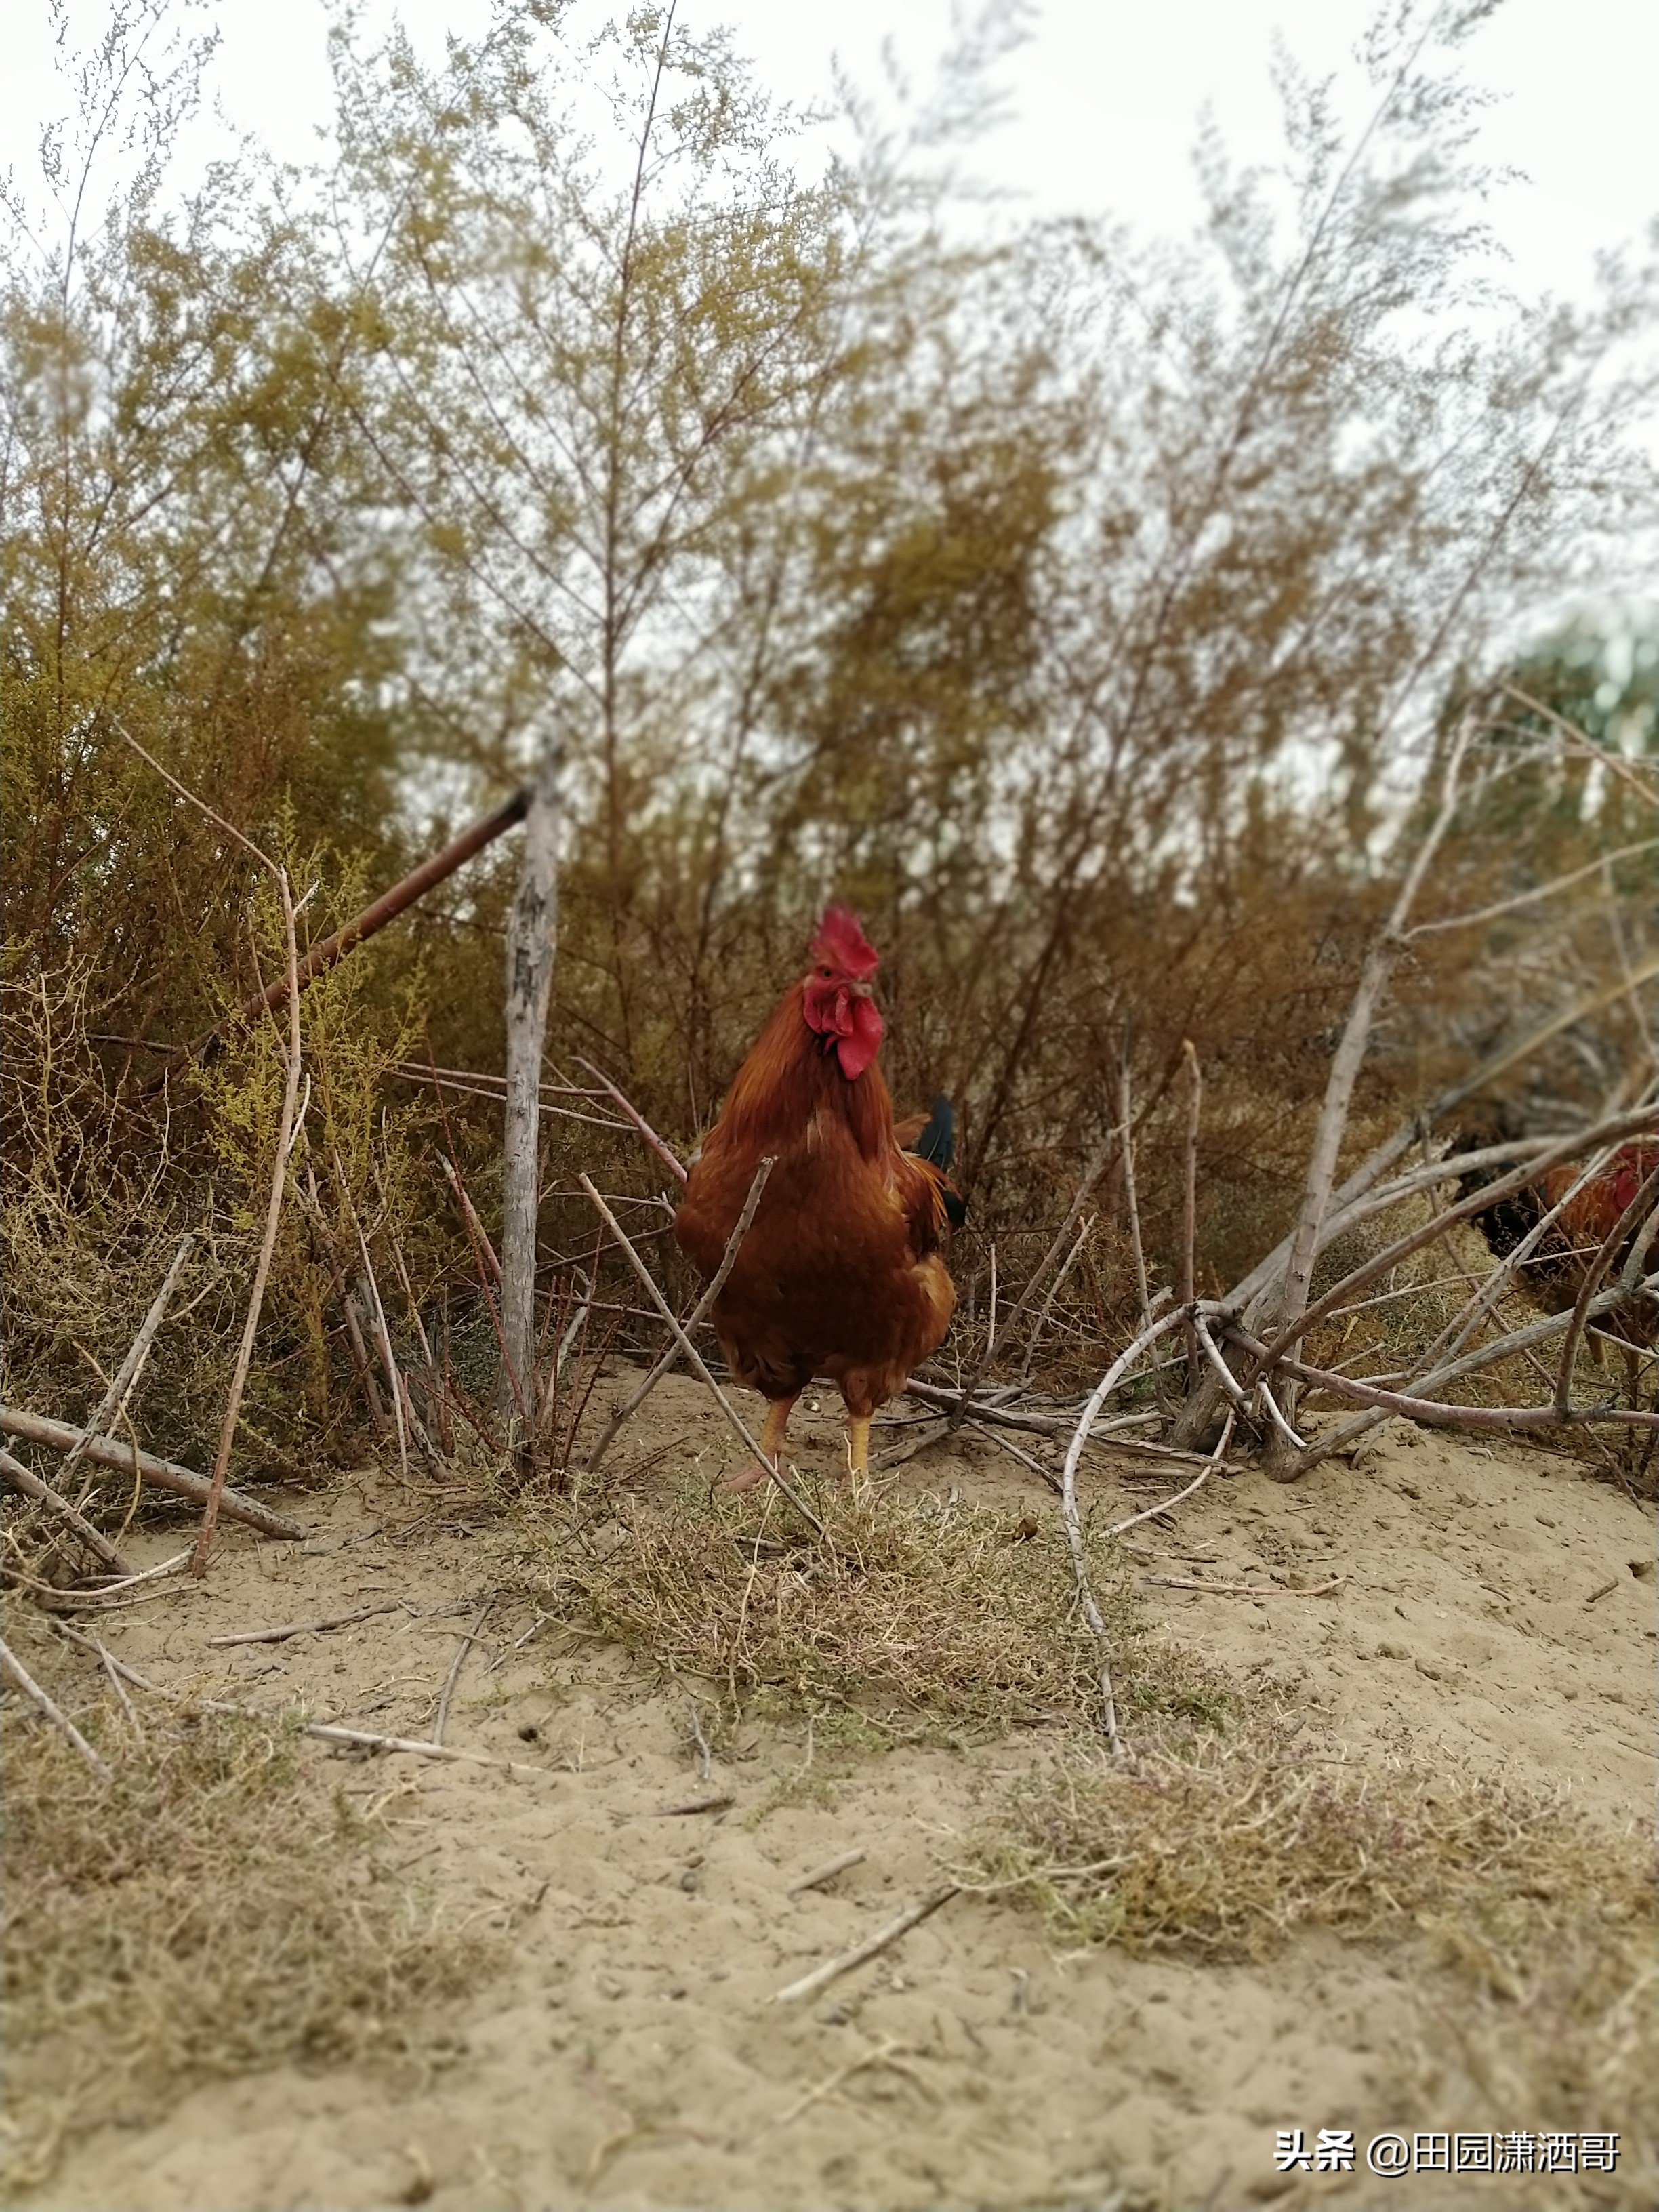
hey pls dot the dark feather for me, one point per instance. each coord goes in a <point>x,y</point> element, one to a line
<point>937,1144</point>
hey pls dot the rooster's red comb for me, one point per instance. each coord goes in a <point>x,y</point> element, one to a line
<point>841,941</point>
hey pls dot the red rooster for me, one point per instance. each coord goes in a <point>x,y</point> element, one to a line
<point>1554,1273</point>
<point>842,1272</point>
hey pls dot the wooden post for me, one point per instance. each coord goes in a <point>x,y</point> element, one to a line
<point>532,937</point>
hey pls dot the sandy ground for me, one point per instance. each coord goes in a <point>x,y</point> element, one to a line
<point>1498,1614</point>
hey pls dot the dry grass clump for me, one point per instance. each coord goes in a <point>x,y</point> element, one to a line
<point>1224,1857</point>
<point>206,1912</point>
<point>909,1611</point>
<point>1564,2030</point>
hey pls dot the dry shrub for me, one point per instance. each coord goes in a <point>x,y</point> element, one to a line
<point>1545,1928</point>
<point>1224,1858</point>
<point>913,1613</point>
<point>207,1911</point>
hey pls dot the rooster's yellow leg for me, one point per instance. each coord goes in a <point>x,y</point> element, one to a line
<point>858,1447</point>
<point>778,1411</point>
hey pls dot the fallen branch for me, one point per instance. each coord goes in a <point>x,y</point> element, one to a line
<point>1245,1589</point>
<point>1217,1458</point>
<point>883,2054</point>
<point>17,1477</point>
<point>17,1674</point>
<point>821,1977</point>
<point>1006,1445</point>
<point>301,1628</point>
<point>826,1871</point>
<point>454,1674</point>
<point>353,1739</point>
<point>161,1474</point>
<point>699,1313</point>
<point>1440,1412</point>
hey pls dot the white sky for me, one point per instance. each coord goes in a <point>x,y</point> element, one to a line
<point>1104,97</point>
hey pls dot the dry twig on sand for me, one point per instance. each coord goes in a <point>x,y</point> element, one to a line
<point>1245,1589</point>
<point>821,1977</point>
<point>17,1477</point>
<point>18,1674</point>
<point>300,1627</point>
<point>325,1732</point>
<point>469,1638</point>
<point>831,1867</point>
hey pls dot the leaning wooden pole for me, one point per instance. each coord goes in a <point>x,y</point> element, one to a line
<point>372,919</point>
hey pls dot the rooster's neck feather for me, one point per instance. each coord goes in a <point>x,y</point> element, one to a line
<point>788,1078</point>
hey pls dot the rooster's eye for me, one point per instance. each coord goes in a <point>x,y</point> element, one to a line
<point>824,972</point>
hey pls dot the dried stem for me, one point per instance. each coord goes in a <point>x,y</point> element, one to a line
<point>114,1401</point>
<point>284,1146</point>
<point>1351,1050</point>
<point>1125,1118</point>
<point>1217,1458</point>
<point>1054,1291</point>
<point>664,1152</point>
<point>1103,1390</point>
<point>1189,1208</point>
<point>1097,1160</point>
<point>821,1977</point>
<point>19,1675</point>
<point>1608,1131</point>
<point>699,1313</point>
<point>697,1361</point>
<point>17,1477</point>
<point>454,1674</point>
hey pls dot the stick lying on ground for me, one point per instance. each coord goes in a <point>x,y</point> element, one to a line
<point>300,1628</point>
<point>17,1477</point>
<point>821,1977</point>
<point>353,1739</point>
<point>1243,1590</point>
<point>821,1874</point>
<point>17,1674</point>
<point>161,1474</point>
